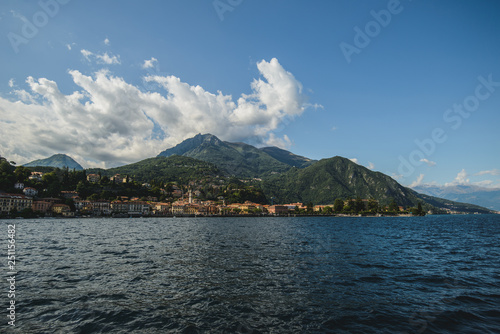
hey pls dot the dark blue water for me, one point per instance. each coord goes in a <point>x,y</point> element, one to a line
<point>436,274</point>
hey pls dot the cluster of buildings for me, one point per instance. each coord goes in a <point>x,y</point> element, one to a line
<point>183,204</point>
<point>133,207</point>
<point>48,206</point>
<point>136,207</point>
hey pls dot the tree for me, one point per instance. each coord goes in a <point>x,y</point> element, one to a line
<point>393,206</point>
<point>71,203</point>
<point>51,181</point>
<point>418,211</point>
<point>309,207</point>
<point>7,177</point>
<point>65,177</point>
<point>358,205</point>
<point>104,180</point>
<point>22,173</point>
<point>372,205</point>
<point>338,205</point>
<point>93,197</point>
<point>83,189</point>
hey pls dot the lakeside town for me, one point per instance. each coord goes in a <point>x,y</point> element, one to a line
<point>182,201</point>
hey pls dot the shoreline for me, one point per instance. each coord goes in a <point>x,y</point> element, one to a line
<point>237,216</point>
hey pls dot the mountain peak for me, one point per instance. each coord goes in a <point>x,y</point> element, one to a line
<point>237,158</point>
<point>57,160</point>
<point>209,138</point>
<point>190,144</point>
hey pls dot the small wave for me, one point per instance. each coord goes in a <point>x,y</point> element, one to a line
<point>372,279</point>
<point>371,265</point>
<point>470,300</point>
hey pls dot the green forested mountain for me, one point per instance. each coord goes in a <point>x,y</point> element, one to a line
<point>162,169</point>
<point>57,160</point>
<point>333,178</point>
<point>238,159</point>
<point>287,157</point>
<point>339,177</point>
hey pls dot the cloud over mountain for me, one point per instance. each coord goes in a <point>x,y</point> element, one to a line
<point>113,121</point>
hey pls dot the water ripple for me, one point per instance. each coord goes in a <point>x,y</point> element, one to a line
<point>437,274</point>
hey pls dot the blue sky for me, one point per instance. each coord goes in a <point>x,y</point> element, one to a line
<point>113,82</point>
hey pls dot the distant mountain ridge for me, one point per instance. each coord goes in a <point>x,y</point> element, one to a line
<point>57,160</point>
<point>237,159</point>
<point>487,197</point>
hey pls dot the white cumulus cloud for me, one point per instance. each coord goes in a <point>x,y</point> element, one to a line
<point>149,63</point>
<point>107,59</point>
<point>489,172</point>
<point>428,162</point>
<point>417,182</point>
<point>460,179</point>
<point>104,58</point>
<point>86,54</point>
<point>108,121</point>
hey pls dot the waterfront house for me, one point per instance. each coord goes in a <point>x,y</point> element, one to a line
<point>42,206</point>
<point>161,208</point>
<point>62,209</point>
<point>135,208</point>
<point>277,209</point>
<point>101,207</point>
<point>14,202</point>
<point>80,204</point>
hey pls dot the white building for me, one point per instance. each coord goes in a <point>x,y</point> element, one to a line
<point>29,191</point>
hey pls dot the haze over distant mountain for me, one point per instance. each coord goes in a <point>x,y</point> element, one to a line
<point>238,159</point>
<point>57,160</point>
<point>487,197</point>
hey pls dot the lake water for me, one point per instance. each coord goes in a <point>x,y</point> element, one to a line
<point>434,274</point>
